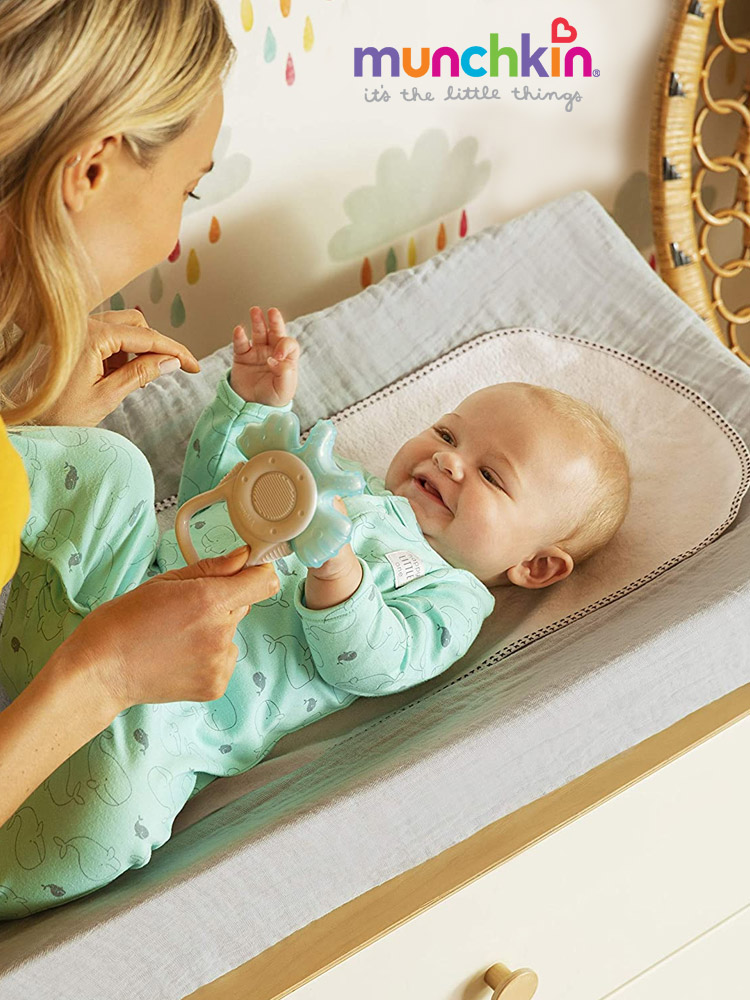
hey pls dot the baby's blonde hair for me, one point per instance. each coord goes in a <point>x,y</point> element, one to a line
<point>600,507</point>
<point>73,71</point>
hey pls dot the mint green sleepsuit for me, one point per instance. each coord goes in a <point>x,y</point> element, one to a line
<point>92,535</point>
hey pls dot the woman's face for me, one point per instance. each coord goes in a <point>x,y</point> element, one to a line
<point>129,218</point>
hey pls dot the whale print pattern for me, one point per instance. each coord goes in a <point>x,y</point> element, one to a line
<point>112,803</point>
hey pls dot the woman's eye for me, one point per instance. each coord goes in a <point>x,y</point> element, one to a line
<point>196,196</point>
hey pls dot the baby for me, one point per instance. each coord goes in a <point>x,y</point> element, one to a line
<point>516,486</point>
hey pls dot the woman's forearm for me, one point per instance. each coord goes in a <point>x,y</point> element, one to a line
<point>56,714</point>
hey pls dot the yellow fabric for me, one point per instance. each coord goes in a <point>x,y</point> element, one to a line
<point>14,506</point>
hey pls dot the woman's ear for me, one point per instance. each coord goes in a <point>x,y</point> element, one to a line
<point>548,566</point>
<point>85,172</point>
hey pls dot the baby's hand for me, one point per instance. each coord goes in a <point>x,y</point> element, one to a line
<point>265,371</point>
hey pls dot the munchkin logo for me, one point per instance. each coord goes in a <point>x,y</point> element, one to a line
<point>562,32</point>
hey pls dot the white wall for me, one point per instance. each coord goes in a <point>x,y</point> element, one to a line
<point>292,159</point>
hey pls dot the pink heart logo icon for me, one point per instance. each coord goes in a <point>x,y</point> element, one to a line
<point>559,26</point>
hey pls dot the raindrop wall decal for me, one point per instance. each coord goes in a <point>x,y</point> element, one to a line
<point>117,301</point>
<point>156,288</point>
<point>193,269</point>
<point>269,46</point>
<point>308,38</point>
<point>246,11</point>
<point>177,312</point>
<point>286,6</point>
<point>289,70</point>
<point>390,261</point>
<point>366,273</point>
<point>441,237</point>
<point>175,253</point>
<point>463,226</point>
<point>412,252</point>
<point>214,233</point>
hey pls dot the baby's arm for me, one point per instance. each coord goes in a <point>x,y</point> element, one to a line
<point>263,374</point>
<point>376,642</point>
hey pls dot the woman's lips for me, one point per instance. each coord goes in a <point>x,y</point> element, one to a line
<point>426,487</point>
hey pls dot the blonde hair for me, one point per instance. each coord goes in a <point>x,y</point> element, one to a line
<point>72,71</point>
<point>598,508</point>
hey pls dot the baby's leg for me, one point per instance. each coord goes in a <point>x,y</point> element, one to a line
<point>101,812</point>
<point>91,536</point>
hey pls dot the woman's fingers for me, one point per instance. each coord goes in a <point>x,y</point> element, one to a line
<point>135,375</point>
<point>110,338</point>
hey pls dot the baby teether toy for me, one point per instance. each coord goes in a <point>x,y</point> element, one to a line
<point>281,500</point>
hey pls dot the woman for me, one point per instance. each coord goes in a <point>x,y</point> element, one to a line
<point>109,111</point>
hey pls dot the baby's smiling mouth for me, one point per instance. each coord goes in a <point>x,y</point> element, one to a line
<point>429,489</point>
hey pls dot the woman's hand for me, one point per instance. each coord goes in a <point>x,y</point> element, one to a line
<point>103,375</point>
<point>170,639</point>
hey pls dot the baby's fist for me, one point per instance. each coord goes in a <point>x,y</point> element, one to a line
<point>264,370</point>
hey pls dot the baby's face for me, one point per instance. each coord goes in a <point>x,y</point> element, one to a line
<point>492,483</point>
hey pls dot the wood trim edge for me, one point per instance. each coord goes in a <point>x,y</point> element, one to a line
<point>331,939</point>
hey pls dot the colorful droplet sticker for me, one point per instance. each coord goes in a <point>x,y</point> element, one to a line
<point>308,38</point>
<point>177,312</point>
<point>286,6</point>
<point>289,70</point>
<point>366,273</point>
<point>193,268</point>
<point>246,11</point>
<point>441,237</point>
<point>269,46</point>
<point>412,252</point>
<point>390,261</point>
<point>214,233</point>
<point>463,226</point>
<point>117,301</point>
<point>175,253</point>
<point>156,288</point>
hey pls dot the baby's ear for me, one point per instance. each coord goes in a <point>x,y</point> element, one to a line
<point>548,566</point>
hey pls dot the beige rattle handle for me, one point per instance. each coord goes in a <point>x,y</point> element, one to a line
<point>182,521</point>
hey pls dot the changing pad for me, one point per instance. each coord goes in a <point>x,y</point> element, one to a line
<point>669,432</point>
<point>323,821</point>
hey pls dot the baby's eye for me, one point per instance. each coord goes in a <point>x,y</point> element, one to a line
<point>489,476</point>
<point>445,435</point>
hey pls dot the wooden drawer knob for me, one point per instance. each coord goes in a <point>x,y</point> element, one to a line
<point>507,985</point>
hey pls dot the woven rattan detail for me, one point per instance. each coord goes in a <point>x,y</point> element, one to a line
<point>681,220</point>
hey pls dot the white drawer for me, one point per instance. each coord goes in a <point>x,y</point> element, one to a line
<point>589,907</point>
<point>714,967</point>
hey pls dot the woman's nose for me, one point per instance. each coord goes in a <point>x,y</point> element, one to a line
<point>449,463</point>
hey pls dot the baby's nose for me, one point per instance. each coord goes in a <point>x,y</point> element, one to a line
<point>449,463</point>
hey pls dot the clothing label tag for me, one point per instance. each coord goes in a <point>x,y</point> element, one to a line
<point>407,566</point>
